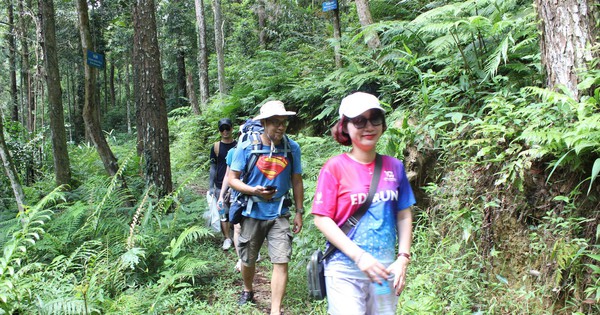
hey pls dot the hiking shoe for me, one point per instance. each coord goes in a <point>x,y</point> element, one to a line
<point>227,244</point>
<point>246,297</point>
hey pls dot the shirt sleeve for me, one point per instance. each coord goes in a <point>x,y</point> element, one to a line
<point>238,163</point>
<point>326,194</point>
<point>229,157</point>
<point>406,197</point>
<point>297,156</point>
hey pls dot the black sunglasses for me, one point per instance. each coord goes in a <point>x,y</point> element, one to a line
<point>360,122</point>
<point>223,128</point>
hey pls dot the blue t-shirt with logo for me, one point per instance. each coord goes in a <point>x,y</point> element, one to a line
<point>271,168</point>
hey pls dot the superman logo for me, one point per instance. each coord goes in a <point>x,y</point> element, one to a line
<point>271,166</point>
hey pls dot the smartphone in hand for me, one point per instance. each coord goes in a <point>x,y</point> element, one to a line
<point>270,187</point>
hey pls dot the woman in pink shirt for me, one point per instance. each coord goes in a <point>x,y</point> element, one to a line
<point>376,253</point>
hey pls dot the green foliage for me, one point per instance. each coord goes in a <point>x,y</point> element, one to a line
<point>13,263</point>
<point>461,84</point>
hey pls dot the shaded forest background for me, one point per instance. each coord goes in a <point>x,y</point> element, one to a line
<point>493,106</point>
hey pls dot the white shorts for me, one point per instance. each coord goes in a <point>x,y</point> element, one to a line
<point>350,296</point>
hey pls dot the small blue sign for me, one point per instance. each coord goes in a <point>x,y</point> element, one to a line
<point>330,5</point>
<point>95,59</point>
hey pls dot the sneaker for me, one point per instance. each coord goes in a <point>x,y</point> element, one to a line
<point>246,297</point>
<point>227,244</point>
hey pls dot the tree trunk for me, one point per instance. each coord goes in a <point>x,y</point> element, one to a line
<point>202,55</point>
<point>90,107</point>
<point>364,16</point>
<point>150,99</point>
<point>181,76</point>
<point>25,74</point>
<point>192,95</point>
<point>12,61</point>
<point>10,170</point>
<point>219,46</point>
<point>79,103</point>
<point>262,17</point>
<point>106,93</point>
<point>62,169</point>
<point>128,96</point>
<point>337,36</point>
<point>568,32</point>
<point>70,102</point>
<point>112,85</point>
<point>28,105</point>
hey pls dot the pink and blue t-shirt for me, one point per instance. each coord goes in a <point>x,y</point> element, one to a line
<point>342,186</point>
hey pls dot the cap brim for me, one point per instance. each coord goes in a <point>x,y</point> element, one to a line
<point>265,116</point>
<point>353,114</point>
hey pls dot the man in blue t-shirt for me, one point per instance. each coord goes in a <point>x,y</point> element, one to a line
<point>218,166</point>
<point>277,169</point>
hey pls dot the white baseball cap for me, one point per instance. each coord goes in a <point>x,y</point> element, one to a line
<point>357,103</point>
<point>273,108</point>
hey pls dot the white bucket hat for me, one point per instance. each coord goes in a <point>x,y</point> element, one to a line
<point>273,108</point>
<point>358,103</point>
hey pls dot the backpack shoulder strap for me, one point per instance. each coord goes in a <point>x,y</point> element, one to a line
<point>216,146</point>
<point>288,151</point>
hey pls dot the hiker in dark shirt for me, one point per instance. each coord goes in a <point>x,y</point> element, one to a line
<point>218,152</point>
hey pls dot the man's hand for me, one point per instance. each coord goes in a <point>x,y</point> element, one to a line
<point>266,194</point>
<point>297,223</point>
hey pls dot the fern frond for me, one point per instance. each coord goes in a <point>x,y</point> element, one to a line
<point>500,54</point>
<point>189,235</point>
<point>114,183</point>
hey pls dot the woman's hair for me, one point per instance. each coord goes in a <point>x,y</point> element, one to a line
<point>339,133</point>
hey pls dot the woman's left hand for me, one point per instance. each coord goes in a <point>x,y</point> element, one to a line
<point>372,268</point>
<point>398,268</point>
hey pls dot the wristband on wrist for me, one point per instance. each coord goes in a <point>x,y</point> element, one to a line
<point>300,210</point>
<point>405,255</point>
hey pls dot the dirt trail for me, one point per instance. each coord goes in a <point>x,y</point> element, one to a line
<point>262,278</point>
<point>262,288</point>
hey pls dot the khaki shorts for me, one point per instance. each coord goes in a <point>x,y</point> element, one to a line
<point>276,232</point>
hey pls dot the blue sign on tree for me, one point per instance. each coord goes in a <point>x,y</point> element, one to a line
<point>330,5</point>
<point>95,59</point>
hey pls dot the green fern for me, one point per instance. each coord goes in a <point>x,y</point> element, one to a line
<point>30,231</point>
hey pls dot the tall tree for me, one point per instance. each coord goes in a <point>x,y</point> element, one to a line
<point>26,86</point>
<point>364,16</point>
<point>112,85</point>
<point>337,36</point>
<point>181,76</point>
<point>11,170</point>
<point>90,107</point>
<point>12,61</point>
<point>150,99</point>
<point>569,31</point>
<point>25,74</point>
<point>192,94</point>
<point>128,95</point>
<point>219,45</point>
<point>62,170</point>
<point>262,27</point>
<point>202,54</point>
